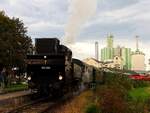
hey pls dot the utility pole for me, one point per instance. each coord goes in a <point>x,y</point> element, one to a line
<point>96,51</point>
<point>137,43</point>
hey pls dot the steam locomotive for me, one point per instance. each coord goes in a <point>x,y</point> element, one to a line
<point>53,71</point>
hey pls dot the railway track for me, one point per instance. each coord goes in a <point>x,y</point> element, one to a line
<point>56,105</point>
<point>43,105</point>
<point>34,106</point>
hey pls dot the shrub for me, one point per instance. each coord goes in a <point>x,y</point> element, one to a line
<point>92,108</point>
<point>138,106</point>
<point>112,100</point>
<point>114,95</point>
<point>138,83</point>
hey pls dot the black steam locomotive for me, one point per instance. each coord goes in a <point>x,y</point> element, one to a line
<point>50,68</point>
<point>52,71</point>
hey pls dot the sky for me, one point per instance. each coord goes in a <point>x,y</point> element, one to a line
<point>123,18</point>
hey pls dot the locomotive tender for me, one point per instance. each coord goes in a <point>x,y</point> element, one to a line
<point>52,71</point>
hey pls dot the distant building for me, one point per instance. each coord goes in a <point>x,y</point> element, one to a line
<point>110,41</point>
<point>93,62</point>
<point>117,51</point>
<point>126,56</point>
<point>96,51</point>
<point>107,53</point>
<point>108,64</point>
<point>116,62</point>
<point>138,59</point>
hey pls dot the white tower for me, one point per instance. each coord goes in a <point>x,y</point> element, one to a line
<point>138,59</point>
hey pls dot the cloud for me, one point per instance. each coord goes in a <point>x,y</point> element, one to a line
<point>133,18</point>
<point>47,29</point>
<point>121,18</point>
<point>38,15</point>
<point>44,25</point>
<point>136,11</point>
<point>108,5</point>
<point>82,50</point>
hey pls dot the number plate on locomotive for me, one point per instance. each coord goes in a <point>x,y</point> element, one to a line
<point>45,67</point>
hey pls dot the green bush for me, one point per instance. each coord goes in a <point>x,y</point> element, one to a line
<point>92,108</point>
<point>113,93</point>
<point>137,83</point>
<point>118,80</point>
<point>112,99</point>
<point>118,94</point>
<point>138,107</point>
<point>16,87</point>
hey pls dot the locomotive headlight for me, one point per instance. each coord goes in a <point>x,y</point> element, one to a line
<point>45,57</point>
<point>60,77</point>
<point>29,78</point>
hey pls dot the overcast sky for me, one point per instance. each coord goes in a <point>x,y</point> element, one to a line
<point>123,18</point>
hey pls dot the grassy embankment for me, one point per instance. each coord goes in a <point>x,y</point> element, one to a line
<point>120,94</point>
<point>16,87</point>
<point>76,105</point>
<point>141,94</point>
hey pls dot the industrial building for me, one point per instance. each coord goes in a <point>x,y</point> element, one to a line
<point>93,62</point>
<point>138,59</point>
<point>126,56</point>
<point>116,62</point>
<point>109,53</point>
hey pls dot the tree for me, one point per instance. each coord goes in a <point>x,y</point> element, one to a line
<point>14,42</point>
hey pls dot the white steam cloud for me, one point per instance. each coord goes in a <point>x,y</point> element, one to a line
<point>80,12</point>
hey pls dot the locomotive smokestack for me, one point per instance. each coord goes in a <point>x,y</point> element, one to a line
<point>96,51</point>
<point>80,12</point>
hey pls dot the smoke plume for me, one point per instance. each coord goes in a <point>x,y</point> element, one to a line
<point>80,12</point>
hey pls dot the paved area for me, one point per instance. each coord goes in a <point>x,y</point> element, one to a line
<point>14,94</point>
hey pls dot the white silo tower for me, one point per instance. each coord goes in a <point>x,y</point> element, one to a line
<point>138,59</point>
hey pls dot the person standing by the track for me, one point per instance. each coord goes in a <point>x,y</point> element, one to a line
<point>2,71</point>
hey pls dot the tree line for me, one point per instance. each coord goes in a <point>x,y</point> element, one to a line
<point>14,42</point>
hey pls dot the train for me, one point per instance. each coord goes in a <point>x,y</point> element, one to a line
<point>52,71</point>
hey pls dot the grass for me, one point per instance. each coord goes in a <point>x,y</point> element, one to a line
<point>141,94</point>
<point>76,105</point>
<point>16,87</point>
